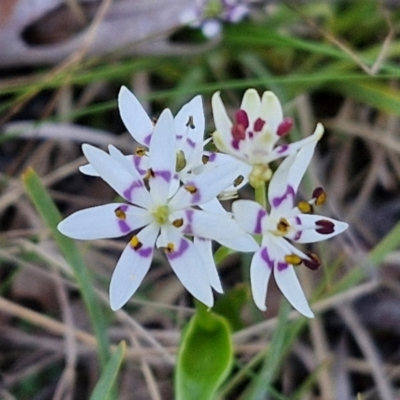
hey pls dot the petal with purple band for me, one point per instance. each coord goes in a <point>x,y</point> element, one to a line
<point>101,222</point>
<point>132,267</point>
<point>134,117</point>
<point>260,273</point>
<point>249,215</point>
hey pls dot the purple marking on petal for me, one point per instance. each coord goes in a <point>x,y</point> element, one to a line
<point>145,252</point>
<point>124,207</point>
<point>211,156</point>
<point>260,215</point>
<point>298,220</point>
<point>277,201</point>
<point>265,257</point>
<point>134,185</point>
<point>188,229</point>
<point>282,266</point>
<point>183,246</point>
<point>123,226</point>
<point>297,236</point>
<point>166,175</point>
<point>136,163</point>
<point>196,196</point>
<point>250,134</point>
<point>282,148</point>
<point>191,143</point>
<point>147,139</point>
<point>179,137</point>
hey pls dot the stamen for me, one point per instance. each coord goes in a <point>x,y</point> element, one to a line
<point>177,223</point>
<point>140,151</point>
<point>119,213</point>
<point>135,243</point>
<point>205,159</point>
<point>285,126</point>
<point>305,208</point>
<point>326,227</point>
<point>293,259</point>
<point>180,161</point>
<point>191,189</point>
<point>242,118</point>
<point>259,125</point>
<point>319,195</point>
<point>190,123</point>
<point>149,174</point>
<point>313,263</point>
<point>283,225</point>
<point>238,180</point>
<point>169,248</point>
<point>238,132</point>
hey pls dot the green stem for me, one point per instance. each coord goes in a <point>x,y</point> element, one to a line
<point>261,195</point>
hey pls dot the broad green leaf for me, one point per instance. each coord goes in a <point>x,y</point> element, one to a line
<point>205,356</point>
<point>105,384</point>
<point>51,216</point>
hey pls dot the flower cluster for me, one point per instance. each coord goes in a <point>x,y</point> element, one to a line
<point>171,190</point>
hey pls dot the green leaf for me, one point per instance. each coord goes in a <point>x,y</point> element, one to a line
<point>205,356</point>
<point>51,216</point>
<point>104,386</point>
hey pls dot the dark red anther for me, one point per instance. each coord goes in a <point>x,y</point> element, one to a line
<point>313,263</point>
<point>259,125</point>
<point>285,126</point>
<point>238,133</point>
<point>242,118</point>
<point>325,227</point>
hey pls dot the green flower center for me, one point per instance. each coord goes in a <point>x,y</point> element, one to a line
<point>160,214</point>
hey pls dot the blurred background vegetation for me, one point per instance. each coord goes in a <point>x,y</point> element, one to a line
<point>61,68</point>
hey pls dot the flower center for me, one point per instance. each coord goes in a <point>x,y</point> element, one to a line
<point>160,214</point>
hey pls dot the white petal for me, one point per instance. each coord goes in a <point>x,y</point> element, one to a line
<point>281,193</point>
<point>289,285</point>
<point>194,111</point>
<point>210,226</point>
<point>286,149</point>
<point>251,104</point>
<point>101,222</point>
<point>243,243</point>
<point>130,187</point>
<point>207,186</point>
<point>271,111</point>
<point>204,249</point>
<point>222,122</point>
<point>305,228</point>
<point>185,262</point>
<point>162,156</point>
<point>88,169</point>
<point>260,273</point>
<point>132,268</point>
<point>249,215</point>
<point>135,118</point>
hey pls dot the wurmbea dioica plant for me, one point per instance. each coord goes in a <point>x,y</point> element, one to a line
<point>171,185</point>
<point>285,223</point>
<point>165,220</point>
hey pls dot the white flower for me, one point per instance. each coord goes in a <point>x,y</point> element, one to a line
<point>163,219</point>
<point>252,137</point>
<point>284,224</point>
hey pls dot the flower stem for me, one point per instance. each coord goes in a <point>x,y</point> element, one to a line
<point>261,195</point>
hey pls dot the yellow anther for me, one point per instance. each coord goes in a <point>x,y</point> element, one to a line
<point>140,151</point>
<point>283,225</point>
<point>304,207</point>
<point>190,123</point>
<point>205,159</point>
<point>293,259</point>
<point>170,248</point>
<point>191,189</point>
<point>238,180</point>
<point>177,223</point>
<point>119,213</point>
<point>135,243</point>
<point>180,161</point>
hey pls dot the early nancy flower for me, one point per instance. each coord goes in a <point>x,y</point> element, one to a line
<point>159,216</point>
<point>254,133</point>
<point>285,223</point>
